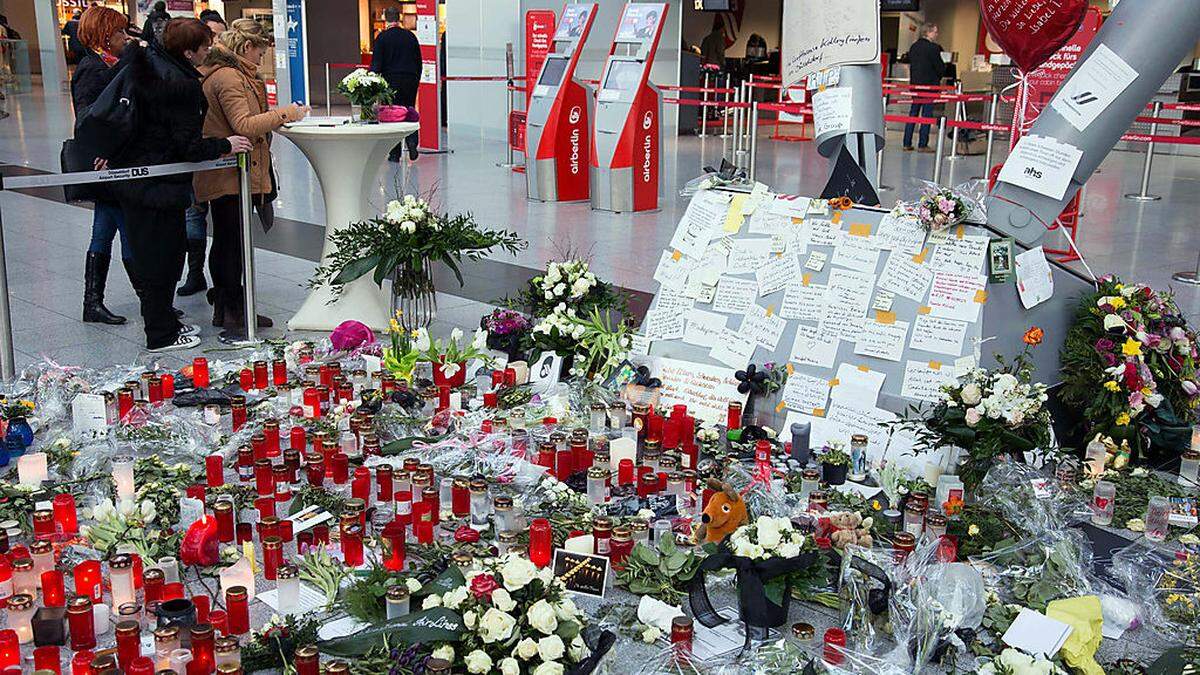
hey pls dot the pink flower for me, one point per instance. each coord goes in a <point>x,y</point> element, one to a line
<point>973,416</point>
<point>1189,387</point>
<point>351,335</point>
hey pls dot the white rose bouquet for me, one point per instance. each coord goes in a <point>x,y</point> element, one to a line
<point>365,89</point>
<point>518,619</point>
<point>1013,662</point>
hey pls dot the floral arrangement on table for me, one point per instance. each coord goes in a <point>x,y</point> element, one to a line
<point>366,90</point>
<point>992,414</point>
<point>129,524</point>
<point>768,538</point>
<point>1013,662</point>
<point>597,343</point>
<point>569,283</point>
<point>401,245</point>
<point>518,619</point>
<point>941,208</point>
<point>1130,365</point>
<point>507,331</point>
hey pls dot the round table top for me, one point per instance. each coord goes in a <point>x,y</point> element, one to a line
<point>381,129</point>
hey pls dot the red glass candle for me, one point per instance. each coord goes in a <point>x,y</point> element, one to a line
<point>260,374</point>
<point>490,400</point>
<point>283,485</point>
<point>341,468</point>
<point>304,541</point>
<point>268,526</point>
<point>385,483</point>
<point>443,398</point>
<point>297,439</point>
<point>154,390</point>
<point>291,459</point>
<point>245,531</point>
<point>237,411</point>
<point>270,431</point>
<point>320,534</point>
<point>142,665</point>
<point>405,508</point>
<point>237,610</point>
<point>129,643</point>
<point>81,663</point>
<point>245,463</point>
<point>264,479</point>
<point>10,648</point>
<point>393,546</point>
<point>647,484</point>
<point>272,557</point>
<point>625,472</point>
<point>423,529</point>
<point>279,372</point>
<point>258,446</point>
<point>203,605</point>
<point>223,510</point>
<point>204,660</point>
<point>200,371</point>
<point>46,658</point>
<point>82,623</point>
<point>324,375</point>
<point>312,403</point>
<point>152,586</point>
<point>219,620</point>
<point>172,591</point>
<point>307,660</point>
<point>460,494</point>
<point>54,592</point>
<point>360,487</point>
<point>314,469</point>
<point>88,580</point>
<point>835,642</point>
<point>43,524</point>
<point>168,386</point>
<point>124,402</point>
<point>352,545</point>
<point>246,379</point>
<point>620,545</point>
<point>541,542</point>
<point>510,377</point>
<point>286,530</point>
<point>66,518</point>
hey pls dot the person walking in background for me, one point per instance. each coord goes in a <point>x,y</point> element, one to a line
<point>926,67</point>
<point>102,34</point>
<point>75,48</point>
<point>237,104</point>
<point>397,57</point>
<point>712,48</point>
<point>171,108</point>
<point>212,19</point>
<point>156,22</point>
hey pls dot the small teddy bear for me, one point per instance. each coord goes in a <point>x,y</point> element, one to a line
<point>848,528</point>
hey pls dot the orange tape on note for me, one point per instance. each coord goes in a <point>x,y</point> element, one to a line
<point>860,229</point>
<point>935,365</point>
<point>885,317</point>
<point>981,296</point>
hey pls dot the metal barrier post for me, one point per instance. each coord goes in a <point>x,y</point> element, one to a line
<point>879,185</point>
<point>959,107</point>
<point>1143,195</point>
<point>250,337</point>
<point>704,107</point>
<point>725,116</point>
<point>753,137</point>
<point>1189,278</point>
<point>509,90</point>
<point>739,141</point>
<point>8,361</point>
<point>991,137</point>
<point>941,147</point>
<point>328,102</point>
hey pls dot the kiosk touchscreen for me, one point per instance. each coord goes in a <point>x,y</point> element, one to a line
<point>627,138</point>
<point>560,111</point>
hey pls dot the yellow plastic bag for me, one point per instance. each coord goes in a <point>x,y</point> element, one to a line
<point>1083,615</point>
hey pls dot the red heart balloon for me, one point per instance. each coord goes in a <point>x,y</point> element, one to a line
<point>1030,31</point>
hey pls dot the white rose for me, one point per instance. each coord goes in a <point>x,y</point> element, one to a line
<point>412,584</point>
<point>478,662</point>
<point>1014,659</point>
<point>971,394</point>
<point>417,213</point>
<point>566,609</point>
<point>455,597</point>
<point>550,668</point>
<point>542,617</point>
<point>527,649</point>
<point>517,572</point>
<point>444,652</point>
<point>973,416</point>
<point>410,200</point>
<point>510,666</point>
<point>789,549</point>
<point>495,626</point>
<point>469,618</point>
<point>551,648</point>
<point>560,288</point>
<point>431,602</point>
<point>503,601</point>
<point>578,650</point>
<point>768,532</point>
<point>651,634</point>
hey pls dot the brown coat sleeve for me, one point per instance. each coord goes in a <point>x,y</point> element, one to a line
<point>226,90</point>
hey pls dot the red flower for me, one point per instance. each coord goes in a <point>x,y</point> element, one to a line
<point>466,535</point>
<point>1132,381</point>
<point>483,585</point>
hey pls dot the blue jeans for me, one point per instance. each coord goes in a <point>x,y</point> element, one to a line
<point>196,222</point>
<point>107,221</point>
<point>918,110</point>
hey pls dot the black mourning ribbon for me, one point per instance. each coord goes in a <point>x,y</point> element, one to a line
<point>753,606</point>
<point>599,643</point>
<point>642,379</point>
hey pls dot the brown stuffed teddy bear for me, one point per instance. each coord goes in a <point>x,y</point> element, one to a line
<point>850,528</point>
<point>726,512</point>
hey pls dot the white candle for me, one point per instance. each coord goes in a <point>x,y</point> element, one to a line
<point>239,574</point>
<point>170,569</point>
<point>122,468</point>
<point>622,448</point>
<point>32,469</point>
<point>581,544</point>
<point>100,615</point>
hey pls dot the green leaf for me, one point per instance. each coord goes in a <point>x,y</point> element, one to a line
<point>355,269</point>
<point>646,555</point>
<point>383,268</point>
<point>774,590</point>
<point>568,630</point>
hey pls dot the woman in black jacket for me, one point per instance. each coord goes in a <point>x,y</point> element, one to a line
<point>102,33</point>
<point>171,108</point>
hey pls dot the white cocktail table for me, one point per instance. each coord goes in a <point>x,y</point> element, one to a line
<point>345,158</point>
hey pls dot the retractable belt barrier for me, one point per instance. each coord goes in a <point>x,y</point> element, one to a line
<point>7,358</point>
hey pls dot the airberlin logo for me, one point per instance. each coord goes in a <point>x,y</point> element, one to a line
<point>647,146</point>
<point>648,120</point>
<point>575,113</point>
<point>573,118</point>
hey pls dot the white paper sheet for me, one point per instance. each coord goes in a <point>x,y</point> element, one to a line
<point>704,328</point>
<point>882,340</point>
<point>748,255</point>
<point>734,296</point>
<point>856,253</point>
<point>733,350</point>
<point>961,256</point>
<point>857,386</point>
<point>832,109</point>
<point>1035,633</point>
<point>813,348</point>
<point>1041,164</point>
<point>803,303</point>
<point>816,261</point>
<point>900,232</point>
<point>705,389</point>
<point>846,302</point>
<point>902,276</point>
<point>957,296</point>
<point>822,231</point>
<point>777,273</point>
<point>938,335</point>
<point>1035,280</point>
<point>762,328</point>
<point>806,393</point>
<point>704,217</point>
<point>1092,87</point>
<point>923,382</point>
<point>672,271</point>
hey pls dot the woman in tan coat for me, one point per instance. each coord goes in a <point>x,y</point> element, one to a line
<point>237,104</point>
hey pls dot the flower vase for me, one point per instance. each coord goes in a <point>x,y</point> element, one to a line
<point>365,112</point>
<point>762,617</point>
<point>458,379</point>
<point>834,474</point>
<point>414,296</point>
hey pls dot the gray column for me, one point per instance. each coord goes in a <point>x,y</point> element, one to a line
<point>50,48</point>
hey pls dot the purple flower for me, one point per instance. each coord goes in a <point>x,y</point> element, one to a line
<point>1104,345</point>
<point>351,335</point>
<point>1110,359</point>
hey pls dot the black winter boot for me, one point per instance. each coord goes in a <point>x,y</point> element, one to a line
<point>195,273</point>
<point>95,275</point>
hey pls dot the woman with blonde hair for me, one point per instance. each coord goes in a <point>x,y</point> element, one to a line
<point>237,104</point>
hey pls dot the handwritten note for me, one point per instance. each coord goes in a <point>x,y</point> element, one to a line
<point>766,221</point>
<point>818,34</point>
<point>935,334</point>
<point>816,261</point>
<point>900,232</point>
<point>805,392</point>
<point>1035,281</point>
<point>704,328</point>
<point>803,303</point>
<point>883,300</point>
<point>904,277</point>
<point>672,271</point>
<point>704,217</point>
<point>846,302</point>
<point>857,253</point>
<point>822,231</point>
<point>762,327</point>
<point>664,325</point>
<point>708,270</point>
<point>961,256</point>
<point>734,296</point>
<point>957,296</point>
<point>733,350</point>
<point>706,390</point>
<point>777,273</point>
<point>856,385</point>
<point>923,381</point>
<point>814,348</point>
<point>748,255</point>
<point>882,340</point>
<point>832,110</point>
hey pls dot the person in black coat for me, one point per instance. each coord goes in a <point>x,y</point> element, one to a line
<point>102,34</point>
<point>156,22</point>
<point>171,106</point>
<point>925,67</point>
<point>397,57</point>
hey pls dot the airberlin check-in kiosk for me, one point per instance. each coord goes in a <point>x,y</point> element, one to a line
<point>556,168</point>
<point>626,141</point>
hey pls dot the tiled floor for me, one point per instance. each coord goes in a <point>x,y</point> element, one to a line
<point>45,239</point>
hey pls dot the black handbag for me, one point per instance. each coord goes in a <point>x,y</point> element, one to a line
<point>73,159</point>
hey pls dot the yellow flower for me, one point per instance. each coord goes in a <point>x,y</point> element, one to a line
<point>876,505</point>
<point>1117,302</point>
<point>1112,385</point>
<point>1131,347</point>
<point>1122,419</point>
<point>395,327</point>
<point>973,529</point>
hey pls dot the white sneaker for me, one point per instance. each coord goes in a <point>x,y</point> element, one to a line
<point>189,329</point>
<point>182,342</point>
